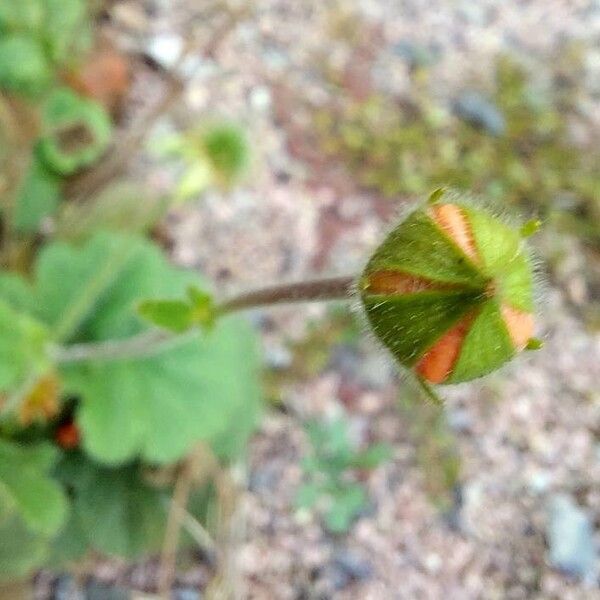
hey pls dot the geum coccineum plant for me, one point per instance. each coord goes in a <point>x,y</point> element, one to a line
<point>94,399</point>
<point>450,292</point>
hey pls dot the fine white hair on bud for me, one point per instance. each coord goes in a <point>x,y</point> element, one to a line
<point>450,291</point>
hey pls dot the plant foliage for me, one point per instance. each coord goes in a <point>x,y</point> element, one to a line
<point>151,409</point>
<point>514,147</point>
<point>330,487</point>
<point>37,38</point>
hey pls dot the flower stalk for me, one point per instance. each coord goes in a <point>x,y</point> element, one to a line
<point>155,341</point>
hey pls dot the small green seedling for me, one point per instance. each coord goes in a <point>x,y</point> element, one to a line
<point>331,486</point>
<point>215,155</point>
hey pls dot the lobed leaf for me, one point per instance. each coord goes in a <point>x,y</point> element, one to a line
<point>27,488</point>
<point>23,347</point>
<point>114,511</point>
<point>204,388</point>
<point>21,550</point>
<point>38,198</point>
<point>23,65</point>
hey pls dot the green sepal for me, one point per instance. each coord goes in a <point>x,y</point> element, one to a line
<point>486,347</point>
<point>500,248</point>
<point>534,344</point>
<point>447,284</point>
<point>530,228</point>
<point>436,196</point>
<point>408,325</point>
<point>419,247</point>
<point>430,394</point>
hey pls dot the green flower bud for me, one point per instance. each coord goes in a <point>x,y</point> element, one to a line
<point>450,291</point>
<point>76,132</point>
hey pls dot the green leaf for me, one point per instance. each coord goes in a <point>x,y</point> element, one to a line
<point>308,495</point>
<point>70,545</point>
<point>348,502</point>
<point>23,347</point>
<point>329,438</point>
<point>419,247</point>
<point>121,206</point>
<point>22,15</point>
<point>227,150</point>
<point>69,283</point>
<point>178,315</point>
<point>75,132</point>
<point>371,457</point>
<point>530,228</point>
<point>16,292</point>
<point>204,311</point>
<point>202,388</point>
<point>175,315</point>
<point>23,65</point>
<point>60,29</point>
<point>66,29</point>
<point>114,509</point>
<point>21,550</point>
<point>59,25</point>
<point>157,407</point>
<point>194,181</point>
<point>37,199</point>
<point>28,489</point>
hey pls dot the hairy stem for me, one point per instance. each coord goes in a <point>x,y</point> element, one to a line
<point>150,343</point>
<point>316,290</point>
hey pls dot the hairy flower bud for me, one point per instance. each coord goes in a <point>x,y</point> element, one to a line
<point>450,291</point>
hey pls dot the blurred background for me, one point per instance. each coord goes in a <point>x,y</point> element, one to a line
<point>337,115</point>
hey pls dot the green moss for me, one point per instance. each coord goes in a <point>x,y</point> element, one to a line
<point>407,148</point>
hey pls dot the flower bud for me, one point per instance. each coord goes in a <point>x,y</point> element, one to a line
<point>450,291</point>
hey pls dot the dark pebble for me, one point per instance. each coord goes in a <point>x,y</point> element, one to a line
<point>480,112</point>
<point>186,593</point>
<point>352,565</point>
<point>99,591</point>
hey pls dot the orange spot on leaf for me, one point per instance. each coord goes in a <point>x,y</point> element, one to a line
<point>438,362</point>
<point>451,219</point>
<point>519,324</point>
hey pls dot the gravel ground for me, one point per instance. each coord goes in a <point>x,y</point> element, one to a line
<point>526,436</point>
